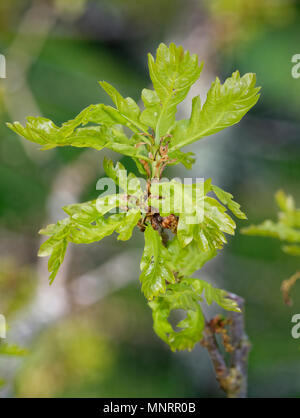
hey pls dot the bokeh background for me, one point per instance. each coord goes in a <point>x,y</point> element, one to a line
<point>90,333</point>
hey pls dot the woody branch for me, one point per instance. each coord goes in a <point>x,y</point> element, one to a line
<point>231,375</point>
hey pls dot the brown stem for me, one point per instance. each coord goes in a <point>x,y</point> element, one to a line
<point>232,377</point>
<point>286,287</point>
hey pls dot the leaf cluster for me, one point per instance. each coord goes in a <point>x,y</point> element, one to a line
<point>155,141</point>
<point>286,228</point>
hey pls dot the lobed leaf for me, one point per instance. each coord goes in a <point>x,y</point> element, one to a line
<point>209,232</point>
<point>44,132</point>
<point>227,200</point>
<point>212,294</point>
<point>187,158</point>
<point>127,112</point>
<point>152,108</point>
<point>188,259</point>
<point>289,216</point>
<point>273,230</point>
<point>118,173</point>
<point>85,225</point>
<point>191,328</point>
<point>174,197</point>
<point>125,228</point>
<point>285,229</point>
<point>186,296</point>
<point>225,106</point>
<point>155,265</point>
<point>172,73</point>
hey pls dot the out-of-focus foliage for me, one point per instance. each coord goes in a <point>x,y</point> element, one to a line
<point>52,360</point>
<point>243,19</point>
<point>67,9</point>
<point>123,362</point>
<point>17,290</point>
<point>17,286</point>
<point>12,350</point>
<point>287,227</point>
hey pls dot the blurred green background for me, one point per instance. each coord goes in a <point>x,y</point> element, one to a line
<point>90,333</point>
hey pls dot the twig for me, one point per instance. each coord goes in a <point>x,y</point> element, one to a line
<point>286,287</point>
<point>232,377</point>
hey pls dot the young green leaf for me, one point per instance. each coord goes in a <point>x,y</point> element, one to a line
<point>186,296</point>
<point>125,228</point>
<point>155,266</point>
<point>274,230</point>
<point>85,225</point>
<point>209,232</point>
<point>172,73</point>
<point>225,106</point>
<point>285,229</point>
<point>227,200</point>
<point>127,113</point>
<point>188,259</point>
<point>290,216</point>
<point>174,197</point>
<point>44,132</point>
<point>185,158</point>
<point>152,108</point>
<point>212,294</point>
<point>178,296</point>
<point>128,182</point>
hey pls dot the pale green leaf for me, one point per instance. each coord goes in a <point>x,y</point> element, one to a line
<point>188,259</point>
<point>285,229</point>
<point>212,294</point>
<point>58,233</point>
<point>185,230</point>
<point>85,225</point>
<point>292,249</point>
<point>285,202</point>
<point>127,112</point>
<point>227,199</point>
<point>225,106</point>
<point>185,158</point>
<point>154,265</point>
<point>217,213</point>
<point>172,73</point>
<point>207,230</point>
<point>190,330</point>
<point>44,132</point>
<point>274,230</point>
<point>152,108</point>
<point>128,182</point>
<point>56,258</point>
<point>125,229</point>
<point>174,197</point>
